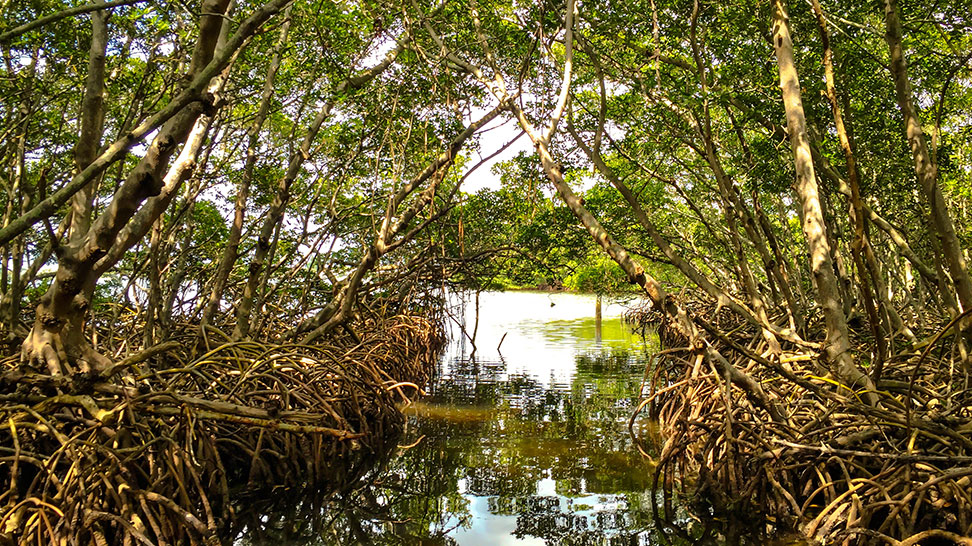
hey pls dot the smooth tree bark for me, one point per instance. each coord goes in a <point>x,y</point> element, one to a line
<point>838,349</point>
<point>231,252</point>
<point>92,124</point>
<point>190,99</point>
<point>868,274</point>
<point>57,338</point>
<point>925,168</point>
<point>829,173</point>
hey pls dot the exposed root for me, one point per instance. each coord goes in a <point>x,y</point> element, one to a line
<point>160,448</point>
<point>42,348</point>
<point>838,469</point>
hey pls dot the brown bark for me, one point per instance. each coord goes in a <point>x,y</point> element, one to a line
<point>867,271</point>
<point>757,224</point>
<point>231,252</point>
<point>925,168</point>
<point>57,338</point>
<point>734,208</point>
<point>899,240</point>
<point>838,341</point>
<point>841,185</point>
<point>731,206</point>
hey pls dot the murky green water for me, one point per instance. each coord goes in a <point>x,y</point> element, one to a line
<point>529,444</point>
<point>522,444</point>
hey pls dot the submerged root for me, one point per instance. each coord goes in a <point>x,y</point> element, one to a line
<point>837,469</point>
<point>154,454</point>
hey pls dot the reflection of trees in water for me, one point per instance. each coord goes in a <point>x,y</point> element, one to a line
<point>301,517</point>
<point>575,437</point>
<point>505,479</point>
<point>415,501</point>
<point>544,518</point>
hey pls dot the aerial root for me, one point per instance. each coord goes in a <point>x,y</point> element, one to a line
<point>837,469</point>
<point>163,448</point>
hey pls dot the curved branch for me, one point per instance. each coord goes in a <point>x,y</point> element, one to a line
<point>70,12</point>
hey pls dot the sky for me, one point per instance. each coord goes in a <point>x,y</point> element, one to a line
<point>493,137</point>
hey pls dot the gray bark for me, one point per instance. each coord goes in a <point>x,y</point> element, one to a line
<point>925,168</point>
<point>814,229</point>
<point>231,252</point>
<point>57,340</point>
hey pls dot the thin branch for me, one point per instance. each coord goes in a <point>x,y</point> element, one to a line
<point>70,12</point>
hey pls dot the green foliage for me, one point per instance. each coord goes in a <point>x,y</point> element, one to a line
<point>715,76</point>
<point>600,275</point>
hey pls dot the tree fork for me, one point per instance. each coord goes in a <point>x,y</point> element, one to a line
<point>57,338</point>
<point>275,214</point>
<point>191,95</point>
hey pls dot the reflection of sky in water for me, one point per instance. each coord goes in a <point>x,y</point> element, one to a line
<point>487,528</point>
<point>555,396</point>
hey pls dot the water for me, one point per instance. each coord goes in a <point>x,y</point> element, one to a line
<point>522,444</point>
<point>530,439</point>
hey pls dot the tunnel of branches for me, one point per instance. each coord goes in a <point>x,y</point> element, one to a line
<point>229,230</point>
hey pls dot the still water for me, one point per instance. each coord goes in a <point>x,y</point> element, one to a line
<point>523,440</point>
<point>533,441</point>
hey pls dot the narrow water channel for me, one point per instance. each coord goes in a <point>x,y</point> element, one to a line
<point>528,442</point>
<point>523,442</point>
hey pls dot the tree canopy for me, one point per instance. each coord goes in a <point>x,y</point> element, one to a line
<point>222,170</point>
<point>291,158</point>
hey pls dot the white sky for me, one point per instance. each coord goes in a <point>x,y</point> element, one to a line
<point>491,138</point>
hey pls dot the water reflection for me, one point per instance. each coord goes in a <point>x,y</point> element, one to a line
<point>522,444</point>
<point>507,460</point>
<point>526,444</point>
